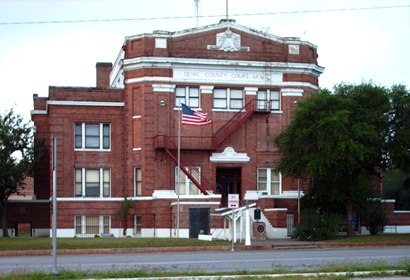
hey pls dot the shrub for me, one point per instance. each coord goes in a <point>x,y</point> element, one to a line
<point>376,218</point>
<point>316,226</point>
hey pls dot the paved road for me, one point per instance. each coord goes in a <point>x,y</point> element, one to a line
<point>211,261</point>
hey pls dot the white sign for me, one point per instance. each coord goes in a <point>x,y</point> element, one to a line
<point>233,200</point>
<point>228,76</point>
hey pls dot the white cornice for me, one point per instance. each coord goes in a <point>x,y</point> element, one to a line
<point>76,103</point>
<point>84,103</point>
<point>195,63</point>
<point>222,25</point>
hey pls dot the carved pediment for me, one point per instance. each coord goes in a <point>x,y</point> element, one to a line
<point>229,42</point>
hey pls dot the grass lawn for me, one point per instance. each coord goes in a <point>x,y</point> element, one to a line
<point>38,243</point>
<point>388,237</point>
<point>378,270</point>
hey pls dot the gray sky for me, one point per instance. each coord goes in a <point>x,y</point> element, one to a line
<point>357,40</point>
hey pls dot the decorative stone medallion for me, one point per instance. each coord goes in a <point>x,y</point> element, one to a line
<point>228,42</point>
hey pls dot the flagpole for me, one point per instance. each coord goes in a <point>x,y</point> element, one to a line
<point>179,167</point>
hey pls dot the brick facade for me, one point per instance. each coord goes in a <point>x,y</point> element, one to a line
<point>139,109</point>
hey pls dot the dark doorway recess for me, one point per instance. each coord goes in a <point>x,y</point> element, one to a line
<point>199,221</point>
<point>228,180</point>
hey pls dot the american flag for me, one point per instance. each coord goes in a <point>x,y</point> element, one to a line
<point>193,117</point>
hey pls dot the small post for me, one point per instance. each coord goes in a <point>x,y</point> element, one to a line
<point>232,230</point>
<point>247,227</point>
<point>54,220</point>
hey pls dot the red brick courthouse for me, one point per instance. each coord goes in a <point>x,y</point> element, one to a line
<point>120,139</point>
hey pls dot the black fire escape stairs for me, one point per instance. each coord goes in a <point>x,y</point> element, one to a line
<point>171,148</point>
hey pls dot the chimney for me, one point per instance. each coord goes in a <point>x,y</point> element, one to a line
<point>103,74</point>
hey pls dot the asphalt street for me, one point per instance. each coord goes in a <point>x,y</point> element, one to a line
<point>211,261</point>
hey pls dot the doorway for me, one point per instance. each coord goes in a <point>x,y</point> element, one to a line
<point>228,180</point>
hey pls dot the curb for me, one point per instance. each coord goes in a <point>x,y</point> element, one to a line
<point>289,246</point>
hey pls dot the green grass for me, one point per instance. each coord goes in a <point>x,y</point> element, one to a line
<point>388,237</point>
<point>43,243</point>
<point>379,270</point>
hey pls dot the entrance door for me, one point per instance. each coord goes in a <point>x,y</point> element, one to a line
<point>199,221</point>
<point>228,180</point>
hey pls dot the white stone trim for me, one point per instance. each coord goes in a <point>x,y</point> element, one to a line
<point>171,194</point>
<point>98,199</point>
<point>275,209</point>
<point>229,155</point>
<point>276,233</point>
<point>206,89</point>
<point>226,24</point>
<point>292,92</point>
<point>163,88</point>
<point>64,232</point>
<point>85,103</point>
<point>38,112</point>
<point>221,66</point>
<point>136,117</point>
<point>136,149</point>
<point>250,90</point>
<point>149,79</point>
<point>195,203</point>
<point>401,212</point>
<point>160,43</point>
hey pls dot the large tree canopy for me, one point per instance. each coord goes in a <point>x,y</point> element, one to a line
<point>16,158</point>
<point>342,140</point>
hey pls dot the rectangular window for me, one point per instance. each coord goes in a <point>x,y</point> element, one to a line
<point>78,133</point>
<point>137,181</point>
<point>89,226</point>
<point>236,99</point>
<point>268,181</point>
<point>92,225</point>
<point>188,96</point>
<point>92,136</point>
<point>78,182</point>
<point>106,183</point>
<point>78,225</point>
<point>228,98</point>
<point>92,182</point>
<point>186,186</point>
<point>220,98</point>
<point>137,225</point>
<point>268,100</point>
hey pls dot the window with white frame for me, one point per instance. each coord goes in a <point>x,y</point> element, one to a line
<point>90,182</point>
<point>92,136</point>
<point>137,181</point>
<point>89,226</point>
<point>228,98</point>
<point>268,100</point>
<point>137,225</point>
<point>269,181</point>
<point>188,96</point>
<point>186,186</point>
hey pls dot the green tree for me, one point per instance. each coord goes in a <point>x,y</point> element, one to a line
<point>17,154</point>
<point>124,211</point>
<point>398,138</point>
<point>342,140</point>
<point>396,185</point>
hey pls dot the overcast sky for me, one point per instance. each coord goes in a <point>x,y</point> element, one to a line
<point>358,40</point>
